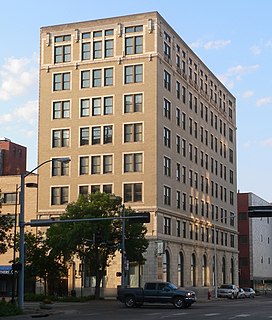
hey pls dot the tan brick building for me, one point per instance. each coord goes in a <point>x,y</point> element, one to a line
<point>141,116</point>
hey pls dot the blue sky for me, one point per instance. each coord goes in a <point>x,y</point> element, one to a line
<point>232,37</point>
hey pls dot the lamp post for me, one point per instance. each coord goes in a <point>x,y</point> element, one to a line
<point>22,231</point>
<point>123,247</point>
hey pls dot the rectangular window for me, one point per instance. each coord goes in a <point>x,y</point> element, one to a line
<point>84,136</point>
<point>60,138</point>
<point>133,45</point>
<point>167,109</point>
<point>84,107</point>
<point>107,137</point>
<point>132,192</point>
<point>167,137</point>
<point>85,79</point>
<point>133,103</point>
<point>178,199</point>
<point>97,50</point>
<point>83,190</point>
<point>108,105</point>
<point>167,166</point>
<point>83,165</point>
<point>96,107</point>
<point>86,51</point>
<point>96,135</point>
<point>59,195</point>
<point>133,132</point>
<point>108,77</point>
<point>62,54</point>
<point>97,78</point>
<point>107,164</point>
<point>167,225</point>
<point>134,74</point>
<point>61,81</point>
<point>133,162</point>
<point>167,195</point>
<point>60,168</point>
<point>61,109</point>
<point>96,165</point>
<point>178,228</point>
<point>108,48</point>
<point>167,80</point>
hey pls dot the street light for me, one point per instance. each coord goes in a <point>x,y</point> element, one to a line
<point>22,231</point>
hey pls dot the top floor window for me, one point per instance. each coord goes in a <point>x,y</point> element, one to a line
<point>62,54</point>
<point>133,45</point>
<point>133,29</point>
<point>66,37</point>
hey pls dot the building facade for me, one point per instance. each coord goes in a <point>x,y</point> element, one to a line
<point>12,157</point>
<point>12,165</point>
<point>141,116</point>
<point>255,251</point>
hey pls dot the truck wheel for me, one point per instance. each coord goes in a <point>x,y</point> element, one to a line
<point>130,301</point>
<point>179,303</point>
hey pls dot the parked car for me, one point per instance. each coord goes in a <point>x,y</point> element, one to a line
<point>241,294</point>
<point>156,292</point>
<point>228,291</point>
<point>249,292</point>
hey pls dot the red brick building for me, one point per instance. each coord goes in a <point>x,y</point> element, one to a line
<point>12,158</point>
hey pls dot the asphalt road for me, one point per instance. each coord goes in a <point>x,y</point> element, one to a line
<point>259,308</point>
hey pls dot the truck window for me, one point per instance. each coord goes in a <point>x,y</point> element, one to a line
<point>150,286</point>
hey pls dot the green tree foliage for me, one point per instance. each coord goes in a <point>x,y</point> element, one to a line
<point>41,262</point>
<point>96,242</point>
<point>6,224</point>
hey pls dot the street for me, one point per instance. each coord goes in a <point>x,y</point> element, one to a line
<point>258,308</point>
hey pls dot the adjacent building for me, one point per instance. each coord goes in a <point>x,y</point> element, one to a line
<point>255,250</point>
<point>141,116</point>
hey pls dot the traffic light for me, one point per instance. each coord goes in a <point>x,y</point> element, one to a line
<point>140,217</point>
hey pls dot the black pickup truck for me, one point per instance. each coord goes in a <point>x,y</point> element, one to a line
<point>156,292</point>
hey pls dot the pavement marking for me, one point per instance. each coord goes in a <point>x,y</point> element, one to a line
<point>174,315</point>
<point>211,314</point>
<point>242,315</point>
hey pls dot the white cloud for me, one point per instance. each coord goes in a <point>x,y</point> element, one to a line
<point>235,73</point>
<point>248,94</point>
<point>264,101</point>
<point>17,75</point>
<point>256,50</point>
<point>27,113</point>
<point>210,45</point>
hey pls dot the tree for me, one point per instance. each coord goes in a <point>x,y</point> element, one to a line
<point>6,224</point>
<point>94,242</point>
<point>41,262</point>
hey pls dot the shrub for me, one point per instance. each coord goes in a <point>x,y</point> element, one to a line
<point>8,309</point>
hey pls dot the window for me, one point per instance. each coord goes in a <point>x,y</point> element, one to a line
<point>84,107</point>
<point>133,162</point>
<point>83,190</point>
<point>183,120</point>
<point>132,192</point>
<point>61,81</point>
<point>83,165</point>
<point>178,199</point>
<point>60,168</point>
<point>10,198</point>
<point>61,109</point>
<point>167,166</point>
<point>108,105</point>
<point>133,103</point>
<point>96,165</point>
<point>108,77</point>
<point>96,107</point>
<point>167,80</point>
<point>86,51</point>
<point>97,50</point>
<point>178,228</point>
<point>167,137</point>
<point>134,74</point>
<point>62,54</point>
<point>167,195</point>
<point>96,135</point>
<point>133,132</point>
<point>66,37</point>
<point>107,188</point>
<point>97,75</point>
<point>85,79</point>
<point>178,144</point>
<point>133,45</point>
<point>59,195</point>
<point>61,138</point>
<point>107,137</point>
<point>167,109</point>
<point>178,117</point>
<point>178,171</point>
<point>133,29</point>
<point>108,48</point>
<point>178,89</point>
<point>167,225</point>
<point>84,136</point>
<point>107,164</point>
